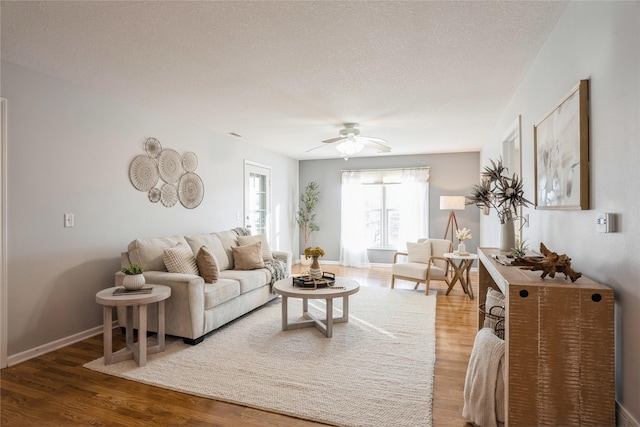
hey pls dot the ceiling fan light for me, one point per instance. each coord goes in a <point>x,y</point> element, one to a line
<point>349,147</point>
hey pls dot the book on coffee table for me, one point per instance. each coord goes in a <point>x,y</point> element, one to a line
<point>124,291</point>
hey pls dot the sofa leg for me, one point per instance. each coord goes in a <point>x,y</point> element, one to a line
<point>393,281</point>
<point>191,341</point>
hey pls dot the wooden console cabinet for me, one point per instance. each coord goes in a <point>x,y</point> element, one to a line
<point>559,346</point>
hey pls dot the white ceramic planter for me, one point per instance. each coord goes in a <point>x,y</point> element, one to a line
<point>133,281</point>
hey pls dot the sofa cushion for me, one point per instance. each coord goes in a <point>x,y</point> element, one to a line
<point>248,279</point>
<point>149,253</point>
<point>180,259</point>
<point>419,252</point>
<point>248,240</point>
<point>247,257</point>
<point>228,239</point>
<point>212,242</point>
<point>221,291</point>
<point>207,264</point>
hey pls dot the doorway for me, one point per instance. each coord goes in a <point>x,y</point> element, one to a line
<point>257,198</point>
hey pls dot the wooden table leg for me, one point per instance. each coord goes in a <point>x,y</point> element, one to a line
<point>142,335</point>
<point>107,314</point>
<point>469,286</point>
<point>285,313</point>
<point>329,317</point>
<point>456,276</point>
<point>129,326</point>
<point>161,325</point>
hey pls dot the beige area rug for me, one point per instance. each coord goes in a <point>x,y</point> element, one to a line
<point>377,370</point>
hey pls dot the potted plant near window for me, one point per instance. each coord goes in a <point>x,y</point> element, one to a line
<point>133,278</point>
<point>306,215</point>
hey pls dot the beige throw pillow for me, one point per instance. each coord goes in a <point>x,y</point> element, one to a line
<point>180,259</point>
<point>494,299</point>
<point>419,252</point>
<point>248,257</point>
<point>207,264</point>
<point>248,240</point>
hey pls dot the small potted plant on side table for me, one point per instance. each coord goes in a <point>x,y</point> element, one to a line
<point>133,278</point>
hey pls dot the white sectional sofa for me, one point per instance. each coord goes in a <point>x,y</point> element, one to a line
<point>196,307</point>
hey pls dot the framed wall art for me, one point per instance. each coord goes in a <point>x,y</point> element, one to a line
<point>561,148</point>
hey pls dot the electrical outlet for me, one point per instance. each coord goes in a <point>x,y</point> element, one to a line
<point>69,220</point>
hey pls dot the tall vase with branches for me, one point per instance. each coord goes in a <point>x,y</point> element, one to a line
<point>503,193</point>
<point>306,215</point>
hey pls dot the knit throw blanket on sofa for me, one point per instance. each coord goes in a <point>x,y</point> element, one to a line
<point>276,266</point>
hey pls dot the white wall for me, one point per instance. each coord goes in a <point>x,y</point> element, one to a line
<point>599,41</point>
<point>69,151</point>
<point>452,174</point>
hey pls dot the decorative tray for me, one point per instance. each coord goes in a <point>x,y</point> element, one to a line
<point>328,279</point>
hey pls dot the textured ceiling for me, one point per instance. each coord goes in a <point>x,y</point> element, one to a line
<point>429,77</point>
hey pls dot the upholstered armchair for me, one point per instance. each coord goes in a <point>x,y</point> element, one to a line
<point>423,262</point>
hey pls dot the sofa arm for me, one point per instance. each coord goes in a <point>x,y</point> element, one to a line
<point>284,256</point>
<point>184,310</point>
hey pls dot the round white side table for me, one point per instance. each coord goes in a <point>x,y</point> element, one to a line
<point>137,351</point>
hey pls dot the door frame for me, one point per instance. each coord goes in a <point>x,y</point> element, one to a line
<point>248,164</point>
<point>3,235</point>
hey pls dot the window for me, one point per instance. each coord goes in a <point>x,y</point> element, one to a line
<point>382,209</point>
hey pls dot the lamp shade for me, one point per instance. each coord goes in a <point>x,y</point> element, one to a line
<point>455,203</point>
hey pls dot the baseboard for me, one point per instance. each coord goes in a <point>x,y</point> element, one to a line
<point>14,359</point>
<point>624,418</point>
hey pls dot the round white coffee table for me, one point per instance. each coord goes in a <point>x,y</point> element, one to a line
<point>343,287</point>
<point>137,351</point>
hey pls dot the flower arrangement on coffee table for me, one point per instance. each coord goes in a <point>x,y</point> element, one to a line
<point>315,272</point>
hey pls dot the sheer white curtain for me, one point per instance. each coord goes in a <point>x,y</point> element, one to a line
<point>412,184</point>
<point>414,210</point>
<point>353,246</point>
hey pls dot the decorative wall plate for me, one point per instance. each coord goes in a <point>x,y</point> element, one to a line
<point>170,166</point>
<point>189,161</point>
<point>154,195</point>
<point>153,147</point>
<point>169,195</point>
<point>143,173</point>
<point>190,190</point>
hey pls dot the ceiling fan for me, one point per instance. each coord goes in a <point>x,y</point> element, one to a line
<point>350,141</point>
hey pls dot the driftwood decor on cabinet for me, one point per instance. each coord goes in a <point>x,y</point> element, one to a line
<point>559,346</point>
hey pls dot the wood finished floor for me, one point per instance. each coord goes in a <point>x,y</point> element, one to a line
<point>56,390</point>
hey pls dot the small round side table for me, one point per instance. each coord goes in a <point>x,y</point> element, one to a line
<point>137,351</point>
<point>461,269</point>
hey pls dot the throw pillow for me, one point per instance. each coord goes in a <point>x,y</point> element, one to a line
<point>248,240</point>
<point>248,257</point>
<point>419,252</point>
<point>494,299</point>
<point>207,264</point>
<point>180,259</point>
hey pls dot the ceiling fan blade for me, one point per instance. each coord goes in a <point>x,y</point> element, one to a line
<point>315,148</point>
<point>376,143</point>
<point>332,140</point>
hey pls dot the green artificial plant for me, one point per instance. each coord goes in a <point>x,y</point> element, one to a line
<point>306,215</point>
